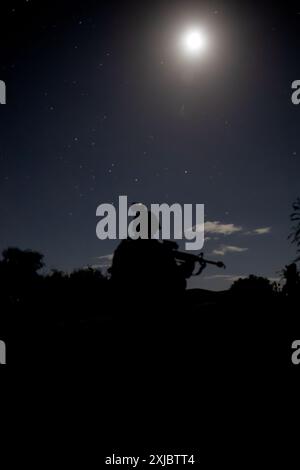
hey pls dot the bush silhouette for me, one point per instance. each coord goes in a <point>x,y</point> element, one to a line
<point>22,262</point>
<point>253,285</point>
<point>292,281</point>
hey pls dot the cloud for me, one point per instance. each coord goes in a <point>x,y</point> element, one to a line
<point>223,249</point>
<point>262,230</point>
<point>275,279</point>
<point>104,261</point>
<point>215,227</point>
<point>224,229</point>
<point>259,231</point>
<point>108,257</point>
<point>218,228</point>
<point>226,277</point>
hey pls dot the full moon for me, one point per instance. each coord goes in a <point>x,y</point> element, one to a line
<point>194,42</point>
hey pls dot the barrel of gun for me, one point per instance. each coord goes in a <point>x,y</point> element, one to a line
<point>189,257</point>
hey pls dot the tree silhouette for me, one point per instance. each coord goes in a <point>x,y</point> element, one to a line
<point>252,285</point>
<point>292,281</point>
<point>295,235</point>
<point>22,262</point>
<point>19,278</point>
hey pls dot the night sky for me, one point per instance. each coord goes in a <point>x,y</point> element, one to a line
<point>101,103</point>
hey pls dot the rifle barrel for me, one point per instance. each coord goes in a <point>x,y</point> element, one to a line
<point>183,256</point>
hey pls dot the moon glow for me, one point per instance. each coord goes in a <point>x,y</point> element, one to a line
<point>194,42</point>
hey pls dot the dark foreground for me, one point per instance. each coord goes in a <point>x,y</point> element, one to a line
<point>215,376</point>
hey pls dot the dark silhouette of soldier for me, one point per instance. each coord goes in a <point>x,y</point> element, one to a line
<point>146,269</point>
